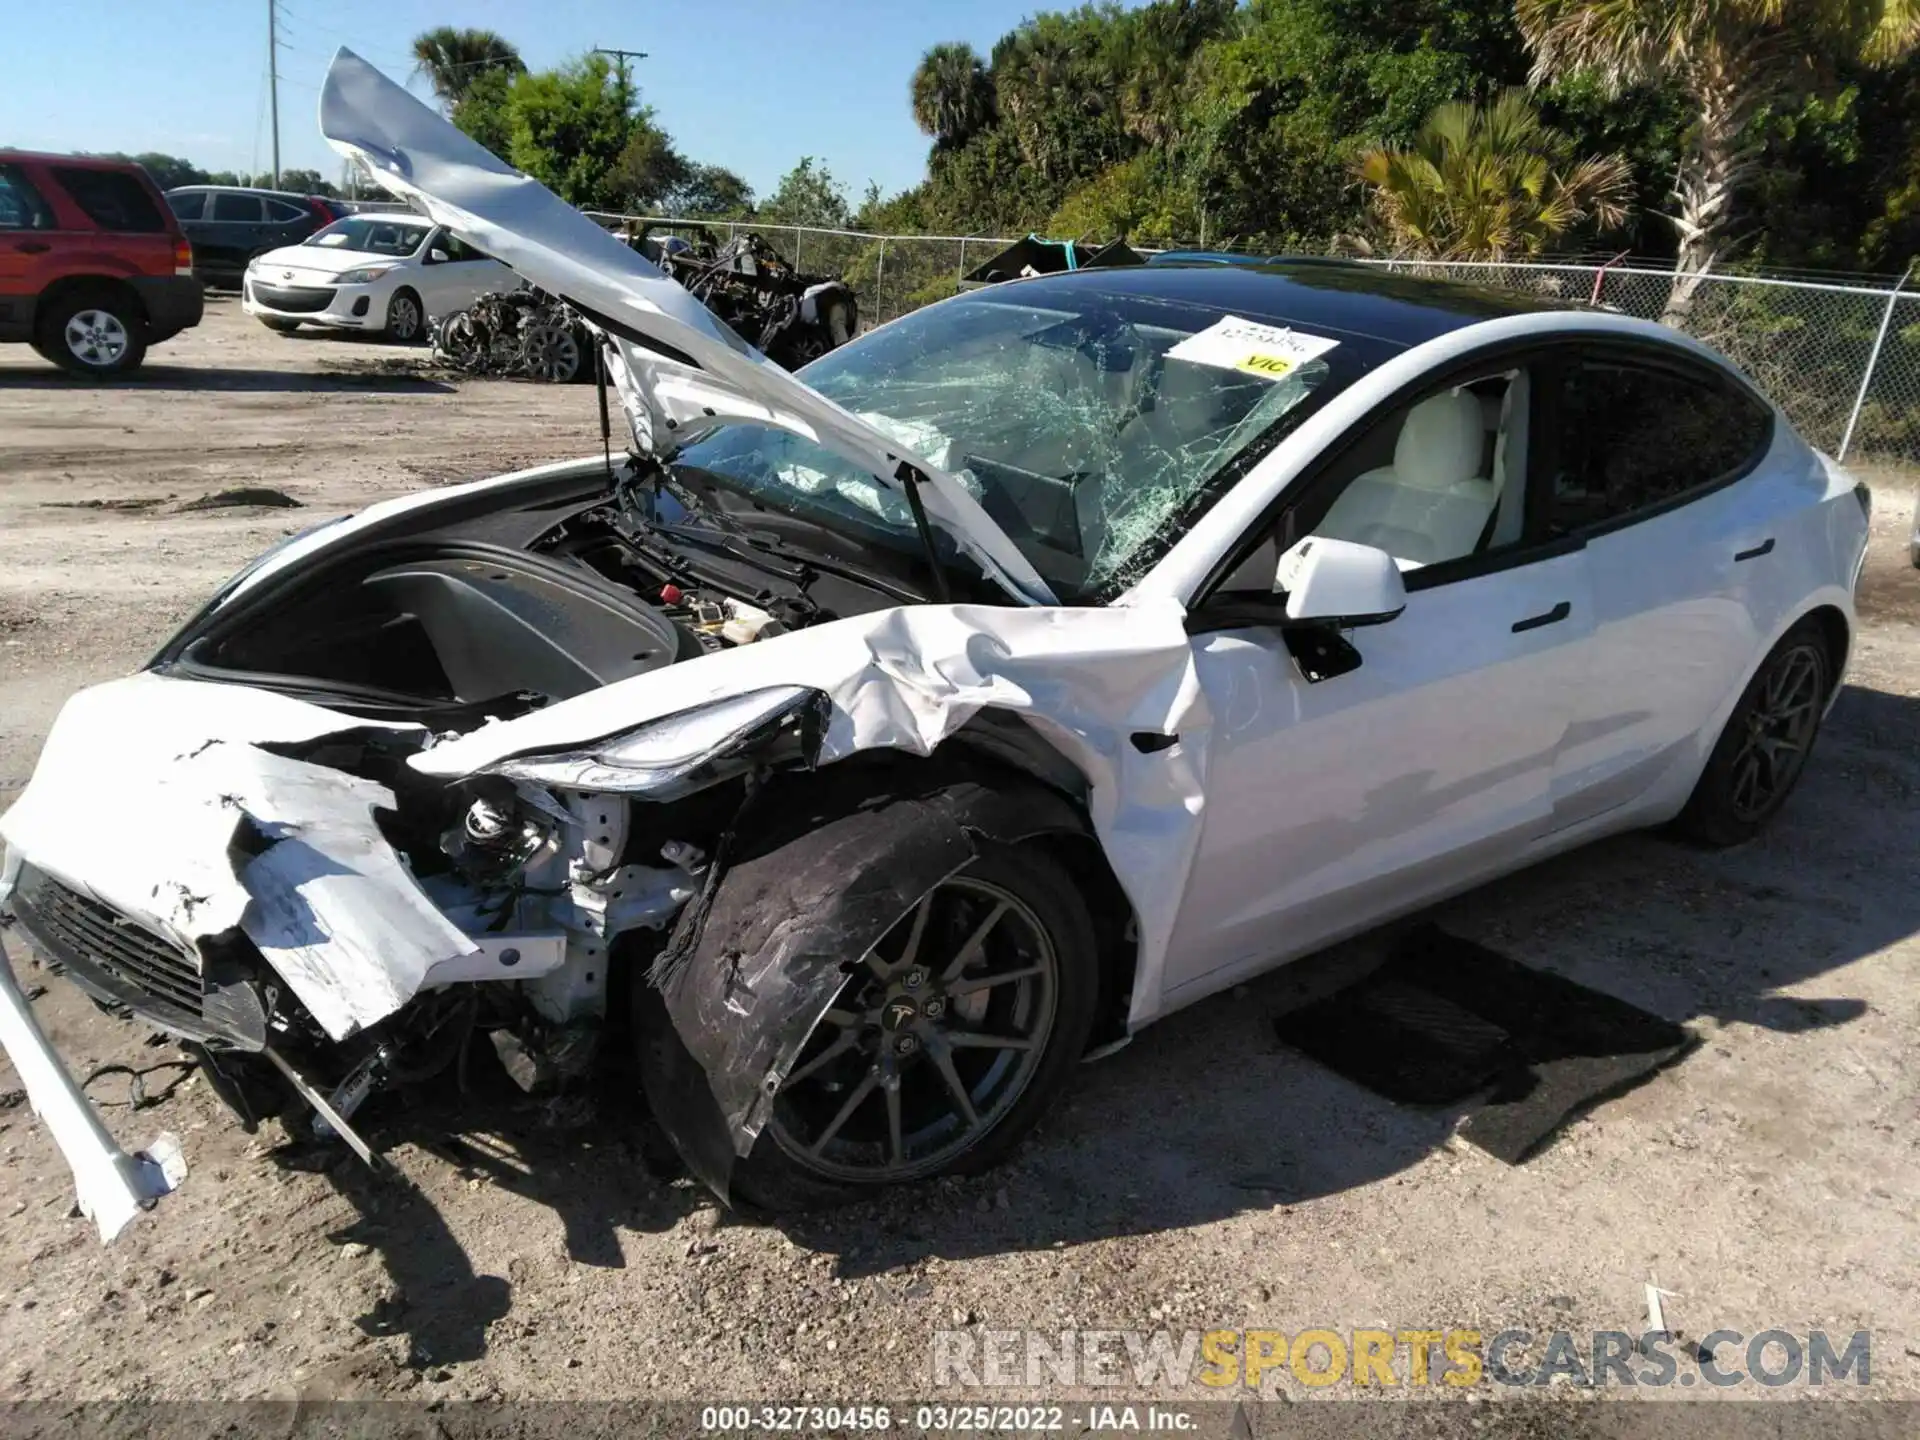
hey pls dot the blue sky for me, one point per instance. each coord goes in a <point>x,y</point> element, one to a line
<point>749,84</point>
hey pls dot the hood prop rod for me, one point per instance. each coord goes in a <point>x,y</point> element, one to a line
<point>910,481</point>
<point>600,384</point>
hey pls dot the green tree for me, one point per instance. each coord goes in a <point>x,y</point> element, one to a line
<point>1491,183</point>
<point>306,182</point>
<point>452,59</point>
<point>169,171</point>
<point>807,195</point>
<point>711,192</point>
<point>1157,46</point>
<point>570,129</point>
<point>649,169</point>
<point>952,94</point>
<point>1731,59</point>
<point>484,111</point>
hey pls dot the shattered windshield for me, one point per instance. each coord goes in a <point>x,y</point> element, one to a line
<point>1092,428</point>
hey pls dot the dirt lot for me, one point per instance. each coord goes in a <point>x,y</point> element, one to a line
<point>1204,1177</point>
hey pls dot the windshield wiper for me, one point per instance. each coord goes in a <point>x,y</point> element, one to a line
<point>910,481</point>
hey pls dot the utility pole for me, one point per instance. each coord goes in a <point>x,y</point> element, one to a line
<point>273,86</point>
<point>626,84</point>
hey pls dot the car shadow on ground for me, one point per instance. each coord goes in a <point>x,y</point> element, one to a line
<point>586,1157</point>
<point>398,376</point>
<point>1207,1114</point>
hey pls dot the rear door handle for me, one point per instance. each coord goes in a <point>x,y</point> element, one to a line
<point>1765,547</point>
<point>1552,617</point>
<point>33,247</point>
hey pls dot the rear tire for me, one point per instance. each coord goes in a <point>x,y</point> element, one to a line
<point>1043,957</point>
<point>1763,750</point>
<point>98,332</point>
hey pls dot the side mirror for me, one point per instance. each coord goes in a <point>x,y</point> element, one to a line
<point>1339,583</point>
<point>438,257</point>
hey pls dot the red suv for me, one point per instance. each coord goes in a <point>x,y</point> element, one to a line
<point>93,267</point>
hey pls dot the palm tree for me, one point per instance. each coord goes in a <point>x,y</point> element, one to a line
<point>1490,183</point>
<point>1158,45</point>
<point>452,59</point>
<point>1729,58</point>
<point>952,94</point>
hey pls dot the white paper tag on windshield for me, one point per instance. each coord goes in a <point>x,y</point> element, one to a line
<point>1269,351</point>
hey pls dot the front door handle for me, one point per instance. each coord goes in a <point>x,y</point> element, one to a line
<point>1765,547</point>
<point>1552,617</point>
<point>33,247</point>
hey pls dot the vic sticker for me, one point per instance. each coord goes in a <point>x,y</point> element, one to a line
<point>1268,351</point>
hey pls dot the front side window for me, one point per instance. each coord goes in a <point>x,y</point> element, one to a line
<point>21,207</point>
<point>370,235</point>
<point>237,209</point>
<point>1629,438</point>
<point>112,199</point>
<point>1438,480</point>
<point>1085,429</point>
<point>458,249</point>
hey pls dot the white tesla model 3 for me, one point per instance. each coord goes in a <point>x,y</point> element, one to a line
<point>864,747</point>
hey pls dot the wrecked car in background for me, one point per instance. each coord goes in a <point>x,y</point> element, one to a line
<point>790,317</point>
<point>863,749</point>
<point>516,334</point>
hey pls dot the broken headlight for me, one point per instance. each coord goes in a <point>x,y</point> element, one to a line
<point>679,754</point>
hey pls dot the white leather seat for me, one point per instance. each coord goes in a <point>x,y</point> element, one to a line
<point>1432,503</point>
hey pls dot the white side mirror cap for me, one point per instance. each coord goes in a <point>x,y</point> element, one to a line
<point>1337,582</point>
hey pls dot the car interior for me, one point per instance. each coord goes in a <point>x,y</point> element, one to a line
<point>1441,481</point>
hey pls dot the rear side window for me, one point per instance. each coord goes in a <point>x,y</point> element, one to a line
<point>243,208</point>
<point>1629,438</point>
<point>112,199</point>
<point>21,207</point>
<point>281,211</point>
<point>188,206</point>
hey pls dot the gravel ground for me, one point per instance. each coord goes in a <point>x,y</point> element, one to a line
<point>1203,1177</point>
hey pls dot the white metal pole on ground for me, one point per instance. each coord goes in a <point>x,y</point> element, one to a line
<point>1873,359</point>
<point>273,87</point>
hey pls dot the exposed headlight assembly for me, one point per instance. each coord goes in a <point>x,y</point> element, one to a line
<point>365,275</point>
<point>676,755</point>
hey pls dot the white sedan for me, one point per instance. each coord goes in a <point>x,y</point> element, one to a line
<point>871,744</point>
<point>390,274</point>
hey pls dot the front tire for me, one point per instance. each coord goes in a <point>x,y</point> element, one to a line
<point>406,318</point>
<point>98,333</point>
<point>944,1048</point>
<point>1763,750</point>
<point>279,327</point>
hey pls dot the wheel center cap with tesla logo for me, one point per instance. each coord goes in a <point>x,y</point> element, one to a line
<point>898,1014</point>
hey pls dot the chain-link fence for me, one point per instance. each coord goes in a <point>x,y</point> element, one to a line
<point>1842,360</point>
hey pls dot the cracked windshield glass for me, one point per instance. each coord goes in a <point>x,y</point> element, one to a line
<point>1088,432</point>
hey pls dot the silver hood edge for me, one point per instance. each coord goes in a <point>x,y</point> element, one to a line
<point>418,156</point>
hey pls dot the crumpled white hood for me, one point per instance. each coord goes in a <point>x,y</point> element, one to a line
<point>417,155</point>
